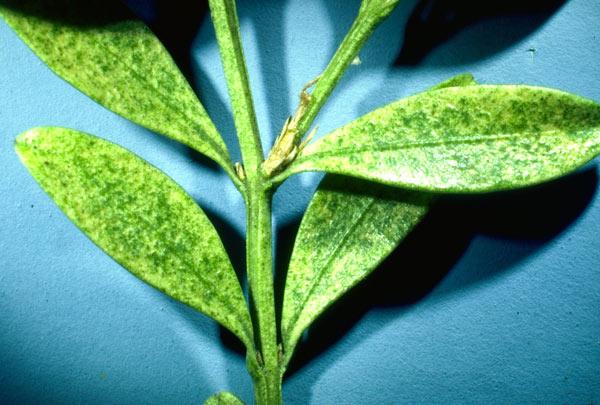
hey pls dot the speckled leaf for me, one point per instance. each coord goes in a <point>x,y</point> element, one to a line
<point>140,217</point>
<point>223,398</point>
<point>349,227</point>
<point>102,49</point>
<point>463,139</point>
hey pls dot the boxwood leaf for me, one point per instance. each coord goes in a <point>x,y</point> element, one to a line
<point>140,217</point>
<point>223,398</point>
<point>460,80</point>
<point>463,139</point>
<point>102,49</point>
<point>349,227</point>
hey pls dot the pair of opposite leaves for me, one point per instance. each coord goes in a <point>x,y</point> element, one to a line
<point>457,137</point>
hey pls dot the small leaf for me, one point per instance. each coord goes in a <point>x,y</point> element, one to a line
<point>461,80</point>
<point>378,9</point>
<point>102,49</point>
<point>140,217</point>
<point>223,398</point>
<point>347,204</point>
<point>349,227</point>
<point>463,139</point>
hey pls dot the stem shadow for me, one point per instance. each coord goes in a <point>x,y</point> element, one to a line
<point>268,27</point>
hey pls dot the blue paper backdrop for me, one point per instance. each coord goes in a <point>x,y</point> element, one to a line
<point>494,299</point>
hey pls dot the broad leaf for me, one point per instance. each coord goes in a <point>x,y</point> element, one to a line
<point>349,227</point>
<point>102,49</point>
<point>463,139</point>
<point>140,217</point>
<point>223,398</point>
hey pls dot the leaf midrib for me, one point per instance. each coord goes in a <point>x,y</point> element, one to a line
<point>347,151</point>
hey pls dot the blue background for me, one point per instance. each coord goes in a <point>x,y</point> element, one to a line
<point>495,299</point>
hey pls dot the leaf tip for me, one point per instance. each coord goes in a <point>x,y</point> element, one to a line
<point>223,398</point>
<point>25,144</point>
<point>27,137</point>
<point>24,141</point>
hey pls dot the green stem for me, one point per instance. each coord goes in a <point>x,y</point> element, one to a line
<point>225,20</point>
<point>263,359</point>
<point>370,15</point>
<point>259,262</point>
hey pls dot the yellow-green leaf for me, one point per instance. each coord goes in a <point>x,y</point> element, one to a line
<point>463,139</point>
<point>461,80</point>
<point>140,217</point>
<point>103,50</point>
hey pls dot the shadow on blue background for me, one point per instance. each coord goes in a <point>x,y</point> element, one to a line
<point>435,21</point>
<point>533,216</point>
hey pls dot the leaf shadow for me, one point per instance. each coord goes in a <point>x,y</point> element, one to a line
<point>434,22</point>
<point>449,34</point>
<point>234,244</point>
<point>425,263</point>
<point>88,14</point>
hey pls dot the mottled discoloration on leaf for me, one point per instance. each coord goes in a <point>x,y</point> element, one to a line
<point>346,204</point>
<point>140,217</point>
<point>348,229</point>
<point>102,49</point>
<point>463,139</point>
<point>223,398</point>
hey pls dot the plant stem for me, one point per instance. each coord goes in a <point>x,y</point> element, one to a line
<point>259,262</point>
<point>263,359</point>
<point>224,16</point>
<point>370,15</point>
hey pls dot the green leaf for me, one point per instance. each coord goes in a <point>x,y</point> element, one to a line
<point>357,239</point>
<point>463,139</point>
<point>102,49</point>
<point>461,80</point>
<point>378,9</point>
<point>349,227</point>
<point>223,398</point>
<point>140,217</point>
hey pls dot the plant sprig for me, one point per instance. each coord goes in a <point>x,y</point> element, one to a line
<point>385,168</point>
